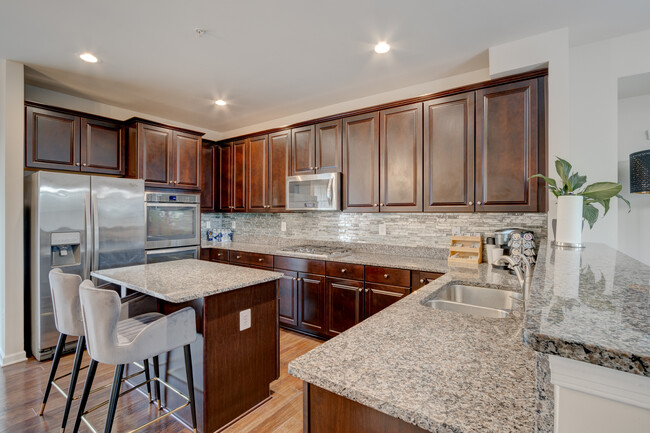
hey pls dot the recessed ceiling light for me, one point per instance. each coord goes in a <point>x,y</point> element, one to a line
<point>87,57</point>
<point>382,48</point>
<point>220,102</point>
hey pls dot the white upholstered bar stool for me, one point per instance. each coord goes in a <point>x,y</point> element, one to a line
<point>64,289</point>
<point>111,341</point>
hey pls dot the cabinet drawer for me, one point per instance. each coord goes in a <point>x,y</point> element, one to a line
<point>218,255</point>
<point>300,265</point>
<point>264,260</point>
<point>344,270</point>
<point>392,276</point>
<point>422,278</point>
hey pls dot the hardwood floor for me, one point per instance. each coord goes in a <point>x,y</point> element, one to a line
<point>22,386</point>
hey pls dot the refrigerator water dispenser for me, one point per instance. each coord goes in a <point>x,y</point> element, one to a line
<point>66,249</point>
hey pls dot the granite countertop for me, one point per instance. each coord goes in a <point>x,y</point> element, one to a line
<point>591,305</point>
<point>185,280</point>
<point>363,258</point>
<point>439,370</point>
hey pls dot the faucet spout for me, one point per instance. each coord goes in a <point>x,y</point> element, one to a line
<point>524,280</point>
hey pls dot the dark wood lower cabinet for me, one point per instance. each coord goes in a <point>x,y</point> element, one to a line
<point>326,412</point>
<point>288,298</point>
<point>311,291</point>
<point>343,304</point>
<point>380,296</point>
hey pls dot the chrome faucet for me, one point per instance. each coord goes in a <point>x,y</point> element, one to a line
<point>525,277</point>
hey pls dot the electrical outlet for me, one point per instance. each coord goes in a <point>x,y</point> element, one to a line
<point>208,225</point>
<point>455,231</point>
<point>244,319</point>
<point>382,229</point>
<point>234,224</point>
<point>283,226</point>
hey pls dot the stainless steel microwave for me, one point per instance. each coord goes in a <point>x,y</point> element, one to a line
<point>314,192</point>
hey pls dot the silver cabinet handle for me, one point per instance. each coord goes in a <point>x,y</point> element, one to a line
<point>171,181</point>
<point>479,203</point>
<point>367,290</point>
<point>260,260</point>
<point>344,270</point>
<point>421,281</point>
<point>85,165</point>
<point>374,205</point>
<point>239,257</point>
<point>360,290</point>
<point>470,203</point>
<point>381,204</point>
<point>385,275</point>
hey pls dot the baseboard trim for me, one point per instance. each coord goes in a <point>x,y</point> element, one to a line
<point>13,358</point>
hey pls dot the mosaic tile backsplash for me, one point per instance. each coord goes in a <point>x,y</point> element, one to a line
<point>402,229</point>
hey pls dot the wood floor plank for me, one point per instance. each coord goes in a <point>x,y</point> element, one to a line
<point>22,386</point>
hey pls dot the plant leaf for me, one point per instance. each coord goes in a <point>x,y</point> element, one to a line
<point>629,207</point>
<point>590,213</point>
<point>563,168</point>
<point>548,180</point>
<point>602,190</point>
<point>605,205</point>
<point>576,181</point>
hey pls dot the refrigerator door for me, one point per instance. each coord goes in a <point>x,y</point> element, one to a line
<point>58,207</point>
<point>118,222</point>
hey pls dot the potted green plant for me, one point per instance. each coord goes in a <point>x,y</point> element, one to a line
<point>576,202</point>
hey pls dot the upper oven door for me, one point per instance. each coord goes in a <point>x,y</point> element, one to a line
<point>173,225</point>
<point>314,192</point>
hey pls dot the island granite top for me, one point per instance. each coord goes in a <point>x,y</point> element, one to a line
<point>185,280</point>
<point>592,305</point>
<point>439,370</point>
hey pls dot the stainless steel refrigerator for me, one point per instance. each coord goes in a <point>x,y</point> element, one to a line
<point>80,224</point>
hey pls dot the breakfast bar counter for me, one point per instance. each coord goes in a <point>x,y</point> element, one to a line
<point>238,345</point>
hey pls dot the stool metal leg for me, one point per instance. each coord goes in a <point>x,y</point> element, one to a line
<point>115,393</point>
<point>147,376</point>
<point>90,376</point>
<point>190,383</point>
<point>156,372</point>
<point>55,364</point>
<point>78,356</point>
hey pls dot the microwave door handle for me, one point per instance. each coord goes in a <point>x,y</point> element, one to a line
<point>330,191</point>
<point>95,264</point>
<point>89,245</point>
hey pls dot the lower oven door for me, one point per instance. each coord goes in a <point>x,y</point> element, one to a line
<point>170,254</point>
<point>172,225</point>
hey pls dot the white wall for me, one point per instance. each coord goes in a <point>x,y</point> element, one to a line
<point>58,99</point>
<point>11,212</point>
<point>633,227</point>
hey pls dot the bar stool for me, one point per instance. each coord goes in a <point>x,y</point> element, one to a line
<point>64,289</point>
<point>111,341</point>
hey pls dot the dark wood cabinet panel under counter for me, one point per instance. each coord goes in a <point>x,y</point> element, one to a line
<point>344,305</point>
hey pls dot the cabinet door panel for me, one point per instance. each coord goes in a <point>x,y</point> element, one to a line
<point>344,305</point>
<point>361,163</point>
<point>288,297</point>
<point>257,172</point>
<point>208,173</point>
<point>52,140</point>
<point>449,154</point>
<point>328,147</point>
<point>507,147</point>
<point>239,176</point>
<point>279,167</point>
<point>187,160</point>
<point>102,147</point>
<point>156,151</point>
<point>401,159</point>
<point>303,158</point>
<point>379,296</point>
<point>225,178</point>
<point>312,302</point>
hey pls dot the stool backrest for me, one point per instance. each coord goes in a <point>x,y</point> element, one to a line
<point>65,301</point>
<point>101,311</point>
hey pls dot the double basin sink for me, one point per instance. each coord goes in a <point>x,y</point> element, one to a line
<point>474,300</point>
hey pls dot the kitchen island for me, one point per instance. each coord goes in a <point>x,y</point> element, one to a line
<point>237,346</point>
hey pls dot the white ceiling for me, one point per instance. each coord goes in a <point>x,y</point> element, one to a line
<point>271,59</point>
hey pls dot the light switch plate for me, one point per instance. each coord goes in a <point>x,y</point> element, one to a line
<point>283,226</point>
<point>382,229</point>
<point>455,231</point>
<point>234,224</point>
<point>208,225</point>
<point>244,319</point>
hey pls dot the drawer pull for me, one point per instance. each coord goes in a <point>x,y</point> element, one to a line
<point>218,254</point>
<point>367,290</point>
<point>260,260</point>
<point>385,275</point>
<point>239,257</point>
<point>344,270</point>
<point>360,290</point>
<point>421,281</point>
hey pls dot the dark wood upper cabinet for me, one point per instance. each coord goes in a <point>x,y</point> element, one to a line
<point>279,168</point>
<point>224,178</point>
<point>239,176</point>
<point>401,159</point>
<point>311,302</point>
<point>155,152</point>
<point>303,151</point>
<point>186,155</point>
<point>449,154</point>
<point>208,177</point>
<point>102,147</point>
<point>329,147</point>
<point>257,155</point>
<point>61,140</point>
<point>507,152</point>
<point>344,305</point>
<point>361,163</point>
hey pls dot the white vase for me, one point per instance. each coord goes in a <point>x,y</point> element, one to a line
<point>569,221</point>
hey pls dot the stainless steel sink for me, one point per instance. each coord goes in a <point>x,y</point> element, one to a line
<point>474,300</point>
